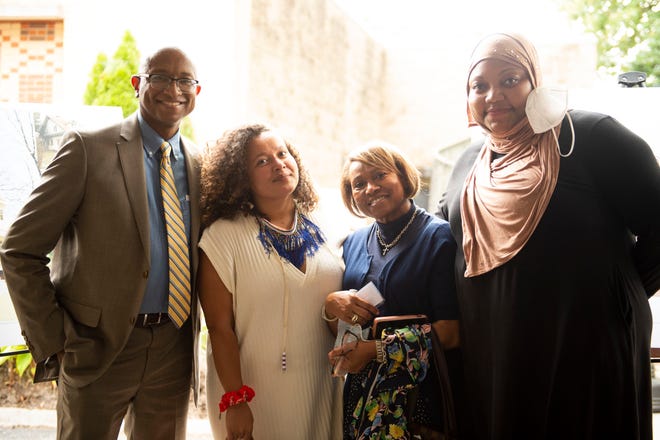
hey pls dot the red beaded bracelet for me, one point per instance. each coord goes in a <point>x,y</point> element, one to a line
<point>231,398</point>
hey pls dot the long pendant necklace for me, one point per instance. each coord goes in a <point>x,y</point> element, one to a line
<point>285,318</point>
<point>385,247</point>
<point>289,242</point>
<point>295,244</point>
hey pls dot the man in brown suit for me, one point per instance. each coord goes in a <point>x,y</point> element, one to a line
<point>97,319</point>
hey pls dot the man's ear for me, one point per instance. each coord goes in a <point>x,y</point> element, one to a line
<point>135,82</point>
<point>198,89</point>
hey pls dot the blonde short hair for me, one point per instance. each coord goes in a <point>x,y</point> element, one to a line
<point>385,157</point>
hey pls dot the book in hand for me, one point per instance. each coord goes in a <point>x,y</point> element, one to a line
<point>395,321</point>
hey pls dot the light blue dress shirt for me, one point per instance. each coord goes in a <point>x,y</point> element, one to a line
<point>157,292</point>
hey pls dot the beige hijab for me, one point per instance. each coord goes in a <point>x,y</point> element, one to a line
<point>504,198</point>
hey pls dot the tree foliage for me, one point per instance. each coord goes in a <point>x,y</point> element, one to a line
<point>627,33</point>
<point>20,359</point>
<point>110,79</point>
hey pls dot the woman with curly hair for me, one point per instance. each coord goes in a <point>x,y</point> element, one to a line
<point>265,268</point>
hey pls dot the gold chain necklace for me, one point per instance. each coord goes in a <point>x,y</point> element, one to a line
<point>385,246</point>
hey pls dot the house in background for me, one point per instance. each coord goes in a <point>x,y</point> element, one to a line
<point>31,135</point>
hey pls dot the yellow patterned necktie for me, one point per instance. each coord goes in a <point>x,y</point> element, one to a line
<point>179,298</point>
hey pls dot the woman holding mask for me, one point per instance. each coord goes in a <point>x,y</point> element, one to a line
<point>557,219</point>
<point>408,255</point>
<point>264,266</point>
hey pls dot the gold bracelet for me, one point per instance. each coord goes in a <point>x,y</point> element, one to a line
<point>381,355</point>
<point>325,316</point>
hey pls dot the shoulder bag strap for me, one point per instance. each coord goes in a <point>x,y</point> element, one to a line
<point>446,396</point>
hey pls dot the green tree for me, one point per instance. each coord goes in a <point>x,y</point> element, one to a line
<point>627,33</point>
<point>110,79</point>
<point>187,129</point>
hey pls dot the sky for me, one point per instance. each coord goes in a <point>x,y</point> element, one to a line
<point>405,23</point>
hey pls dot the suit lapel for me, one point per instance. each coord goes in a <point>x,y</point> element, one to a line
<point>131,158</point>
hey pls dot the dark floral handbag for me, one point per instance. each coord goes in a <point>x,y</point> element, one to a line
<point>450,431</point>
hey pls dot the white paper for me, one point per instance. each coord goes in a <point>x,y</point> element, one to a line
<point>371,294</point>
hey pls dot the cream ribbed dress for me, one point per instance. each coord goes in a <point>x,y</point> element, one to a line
<point>304,402</point>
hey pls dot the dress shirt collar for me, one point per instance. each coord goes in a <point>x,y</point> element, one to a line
<point>152,140</point>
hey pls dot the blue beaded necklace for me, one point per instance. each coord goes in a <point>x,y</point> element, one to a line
<point>294,244</point>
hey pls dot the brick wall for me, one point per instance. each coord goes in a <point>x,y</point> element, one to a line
<point>31,60</point>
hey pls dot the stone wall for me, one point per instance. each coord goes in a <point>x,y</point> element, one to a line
<point>318,76</point>
<point>301,65</point>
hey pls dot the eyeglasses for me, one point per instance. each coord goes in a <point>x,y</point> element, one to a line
<point>161,82</point>
<point>349,342</point>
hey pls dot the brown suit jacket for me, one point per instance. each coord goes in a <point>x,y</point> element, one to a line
<point>91,209</point>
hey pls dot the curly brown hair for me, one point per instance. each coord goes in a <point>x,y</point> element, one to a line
<point>225,184</point>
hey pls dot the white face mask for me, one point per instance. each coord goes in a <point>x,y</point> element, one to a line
<point>546,108</point>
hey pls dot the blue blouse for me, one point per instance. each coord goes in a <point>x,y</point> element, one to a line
<point>415,276</point>
<point>418,276</point>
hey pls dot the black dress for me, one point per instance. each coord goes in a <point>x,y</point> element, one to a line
<point>556,341</point>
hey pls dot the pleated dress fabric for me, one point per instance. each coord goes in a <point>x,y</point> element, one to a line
<point>303,402</point>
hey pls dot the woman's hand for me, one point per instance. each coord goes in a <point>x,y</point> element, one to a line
<point>349,307</point>
<point>239,422</point>
<point>352,357</point>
